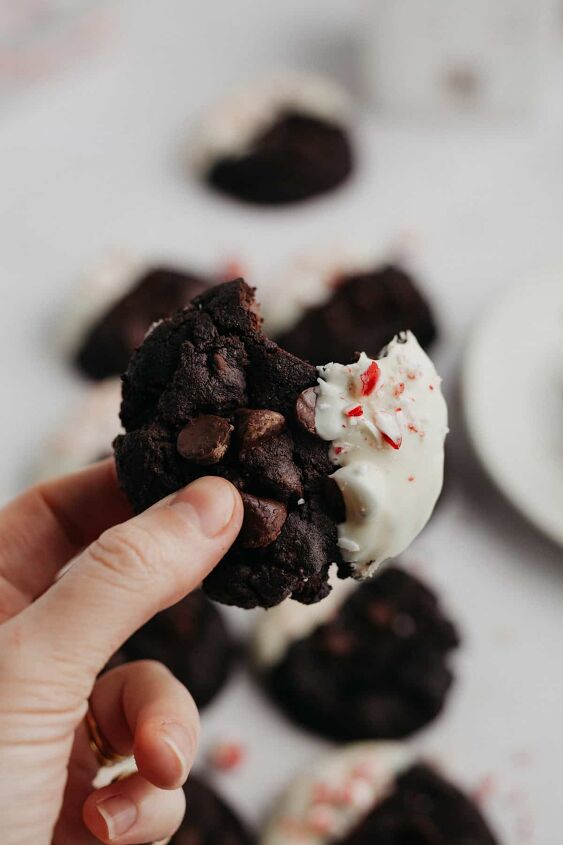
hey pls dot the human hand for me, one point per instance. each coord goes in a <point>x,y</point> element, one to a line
<point>55,637</point>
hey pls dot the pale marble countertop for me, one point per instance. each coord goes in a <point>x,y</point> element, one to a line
<point>93,159</point>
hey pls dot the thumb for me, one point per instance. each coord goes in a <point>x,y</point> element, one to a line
<point>130,573</point>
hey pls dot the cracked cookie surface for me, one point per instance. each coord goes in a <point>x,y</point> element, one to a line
<point>208,394</point>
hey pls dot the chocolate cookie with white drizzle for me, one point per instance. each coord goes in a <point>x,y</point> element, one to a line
<point>375,794</point>
<point>337,465</point>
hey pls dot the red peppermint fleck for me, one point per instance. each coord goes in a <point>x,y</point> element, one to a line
<point>431,387</point>
<point>485,788</point>
<point>398,410</point>
<point>322,793</point>
<point>370,378</point>
<point>396,444</point>
<point>399,389</point>
<point>226,756</point>
<point>362,771</point>
<point>410,478</point>
<point>338,450</point>
<point>233,269</point>
<point>413,428</point>
<point>357,411</point>
<point>411,376</point>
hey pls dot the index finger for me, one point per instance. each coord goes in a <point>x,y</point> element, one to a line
<point>49,524</point>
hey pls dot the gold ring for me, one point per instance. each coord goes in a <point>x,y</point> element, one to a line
<point>101,748</point>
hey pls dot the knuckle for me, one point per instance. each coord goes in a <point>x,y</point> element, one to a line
<point>127,549</point>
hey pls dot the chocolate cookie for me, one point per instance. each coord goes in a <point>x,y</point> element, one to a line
<point>114,334</point>
<point>363,311</point>
<point>283,142</point>
<point>209,820</point>
<point>212,361</point>
<point>208,393</point>
<point>423,809</point>
<point>192,640</point>
<point>375,794</point>
<point>297,157</point>
<point>373,662</point>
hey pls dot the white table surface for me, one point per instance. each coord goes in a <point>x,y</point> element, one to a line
<point>93,159</point>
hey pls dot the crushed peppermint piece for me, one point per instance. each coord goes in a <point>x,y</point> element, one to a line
<point>396,444</point>
<point>400,389</point>
<point>355,411</point>
<point>373,430</point>
<point>323,819</point>
<point>322,793</point>
<point>410,478</point>
<point>369,378</point>
<point>300,501</point>
<point>389,427</point>
<point>226,756</point>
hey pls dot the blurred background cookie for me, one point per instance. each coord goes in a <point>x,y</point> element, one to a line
<point>375,793</point>
<point>369,662</point>
<point>192,640</point>
<point>279,141</point>
<point>328,307</point>
<point>115,307</point>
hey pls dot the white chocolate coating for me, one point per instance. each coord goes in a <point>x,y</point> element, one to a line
<point>389,446</point>
<point>280,626</point>
<point>232,125</point>
<point>86,435</point>
<point>327,801</point>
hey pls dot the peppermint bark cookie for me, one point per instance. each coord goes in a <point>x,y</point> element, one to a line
<point>375,794</point>
<point>355,308</point>
<point>208,393</point>
<point>192,640</point>
<point>282,141</point>
<point>370,662</point>
<point>117,306</point>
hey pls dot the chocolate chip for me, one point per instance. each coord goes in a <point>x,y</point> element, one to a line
<point>254,425</point>
<point>221,365</point>
<point>205,439</point>
<point>263,521</point>
<point>305,409</point>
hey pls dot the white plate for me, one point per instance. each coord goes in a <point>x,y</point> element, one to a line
<point>513,397</point>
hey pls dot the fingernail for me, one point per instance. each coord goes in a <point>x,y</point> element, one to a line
<point>119,814</point>
<point>211,500</point>
<point>180,744</point>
